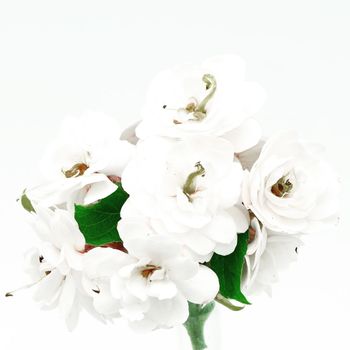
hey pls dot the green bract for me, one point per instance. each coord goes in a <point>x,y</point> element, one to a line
<point>26,203</point>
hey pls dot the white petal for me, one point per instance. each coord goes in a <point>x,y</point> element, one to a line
<point>104,262</point>
<point>161,290</point>
<point>129,133</point>
<point>74,258</point>
<point>168,313</point>
<point>202,288</point>
<point>130,228</point>
<point>48,287</point>
<point>156,248</point>
<point>32,264</point>
<point>66,230</point>
<point>105,304</point>
<point>117,286</point>
<point>51,254</point>
<point>180,268</point>
<point>137,286</point>
<point>67,296</point>
<point>229,187</point>
<point>199,243</point>
<point>250,156</point>
<point>246,136</point>
<point>111,158</point>
<point>222,228</point>
<point>241,217</point>
<point>99,190</point>
<point>130,209</point>
<point>133,309</point>
<point>73,317</point>
<point>226,249</point>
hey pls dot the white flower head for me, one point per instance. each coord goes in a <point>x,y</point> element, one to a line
<point>84,162</point>
<point>212,98</point>
<point>269,254</point>
<point>291,188</point>
<point>152,284</point>
<point>54,267</point>
<point>186,189</point>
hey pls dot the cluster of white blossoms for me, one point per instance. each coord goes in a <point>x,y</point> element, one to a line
<point>139,224</point>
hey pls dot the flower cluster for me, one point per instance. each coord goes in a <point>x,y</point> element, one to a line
<point>187,206</point>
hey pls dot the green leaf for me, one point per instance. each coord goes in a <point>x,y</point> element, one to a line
<point>229,270</point>
<point>26,203</point>
<point>98,222</point>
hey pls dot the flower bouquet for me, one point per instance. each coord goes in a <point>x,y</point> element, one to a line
<point>188,207</point>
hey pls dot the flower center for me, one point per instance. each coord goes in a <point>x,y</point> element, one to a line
<point>197,110</point>
<point>76,170</point>
<point>190,186</point>
<point>282,187</point>
<point>148,270</point>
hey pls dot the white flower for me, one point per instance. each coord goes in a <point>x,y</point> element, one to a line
<point>151,285</point>
<point>83,163</point>
<point>186,189</point>
<point>290,188</point>
<point>54,267</point>
<point>208,99</point>
<point>269,254</point>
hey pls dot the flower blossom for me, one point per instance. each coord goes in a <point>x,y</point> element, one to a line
<point>186,189</point>
<point>151,285</point>
<point>291,188</point>
<point>54,267</point>
<point>83,164</point>
<point>269,254</point>
<point>212,98</point>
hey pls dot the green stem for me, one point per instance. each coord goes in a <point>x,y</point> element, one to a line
<point>196,322</point>
<point>225,302</point>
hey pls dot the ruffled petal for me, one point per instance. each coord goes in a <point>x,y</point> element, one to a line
<point>163,289</point>
<point>246,136</point>
<point>202,288</point>
<point>99,190</point>
<point>67,296</point>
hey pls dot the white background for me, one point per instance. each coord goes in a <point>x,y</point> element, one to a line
<point>65,57</point>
